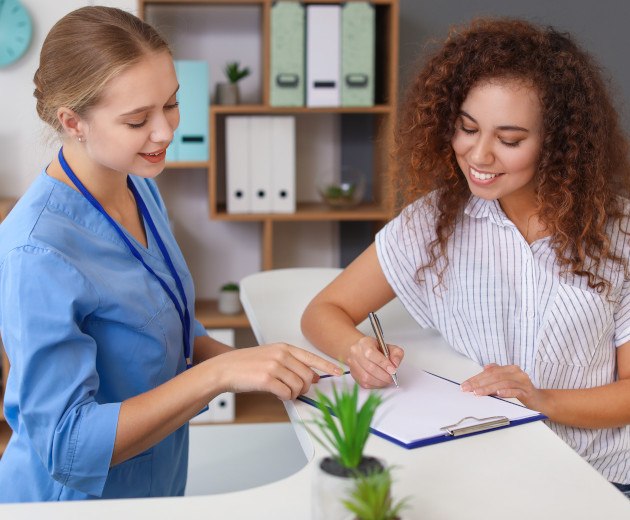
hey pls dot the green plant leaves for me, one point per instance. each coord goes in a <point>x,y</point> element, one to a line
<point>370,498</point>
<point>345,437</point>
<point>234,72</point>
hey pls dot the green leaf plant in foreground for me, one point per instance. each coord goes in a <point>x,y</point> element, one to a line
<point>370,498</point>
<point>345,437</point>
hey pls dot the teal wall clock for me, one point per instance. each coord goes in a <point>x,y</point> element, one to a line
<point>16,31</point>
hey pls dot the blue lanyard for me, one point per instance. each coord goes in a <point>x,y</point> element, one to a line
<point>184,315</point>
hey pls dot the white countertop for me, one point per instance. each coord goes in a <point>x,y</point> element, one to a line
<point>524,472</point>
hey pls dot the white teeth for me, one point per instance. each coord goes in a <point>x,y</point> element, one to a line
<point>482,176</point>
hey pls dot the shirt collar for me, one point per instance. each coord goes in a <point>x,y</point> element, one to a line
<point>478,208</point>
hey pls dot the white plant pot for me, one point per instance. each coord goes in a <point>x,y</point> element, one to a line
<point>227,94</point>
<point>328,493</point>
<point>229,302</point>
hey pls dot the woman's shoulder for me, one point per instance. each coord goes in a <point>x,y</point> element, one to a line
<point>421,210</point>
<point>17,227</point>
<point>43,220</point>
<point>415,221</point>
<point>421,204</point>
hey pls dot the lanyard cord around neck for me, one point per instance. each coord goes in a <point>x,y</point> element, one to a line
<point>184,315</point>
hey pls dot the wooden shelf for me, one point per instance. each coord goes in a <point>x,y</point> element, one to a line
<point>5,431</point>
<point>206,311</point>
<point>309,212</point>
<point>6,204</point>
<point>5,435</point>
<point>253,408</point>
<point>258,407</point>
<point>186,165</point>
<point>144,3</point>
<point>264,109</point>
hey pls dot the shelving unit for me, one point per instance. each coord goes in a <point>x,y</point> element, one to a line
<point>380,208</point>
<point>206,311</point>
<point>5,432</point>
<point>261,407</point>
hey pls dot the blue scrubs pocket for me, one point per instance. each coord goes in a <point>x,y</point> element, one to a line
<point>130,479</point>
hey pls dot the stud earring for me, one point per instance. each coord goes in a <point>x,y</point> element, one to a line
<point>80,139</point>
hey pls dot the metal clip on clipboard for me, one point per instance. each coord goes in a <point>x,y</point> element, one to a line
<point>486,423</point>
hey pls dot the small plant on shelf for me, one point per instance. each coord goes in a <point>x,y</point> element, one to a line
<point>371,499</point>
<point>230,286</point>
<point>229,93</point>
<point>345,192</point>
<point>229,299</point>
<point>234,73</point>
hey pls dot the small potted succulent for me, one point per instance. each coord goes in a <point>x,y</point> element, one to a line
<point>229,93</point>
<point>346,190</point>
<point>229,299</point>
<point>344,427</point>
<point>370,498</point>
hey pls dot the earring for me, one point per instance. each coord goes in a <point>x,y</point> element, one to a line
<point>80,139</point>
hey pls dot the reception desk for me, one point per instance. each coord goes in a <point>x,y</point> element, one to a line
<point>524,472</point>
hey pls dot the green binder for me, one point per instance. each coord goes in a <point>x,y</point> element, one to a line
<point>357,54</point>
<point>287,54</point>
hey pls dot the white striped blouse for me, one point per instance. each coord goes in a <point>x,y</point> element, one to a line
<point>504,301</point>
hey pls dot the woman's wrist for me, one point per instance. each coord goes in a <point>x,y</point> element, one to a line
<point>211,378</point>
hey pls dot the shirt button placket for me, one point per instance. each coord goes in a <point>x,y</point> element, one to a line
<point>528,286</point>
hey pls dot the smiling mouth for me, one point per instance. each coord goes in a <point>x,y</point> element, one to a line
<point>154,157</point>
<point>154,154</point>
<point>482,176</point>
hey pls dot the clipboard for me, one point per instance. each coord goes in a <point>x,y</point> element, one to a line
<point>429,409</point>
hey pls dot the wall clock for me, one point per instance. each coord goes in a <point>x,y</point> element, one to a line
<point>16,30</point>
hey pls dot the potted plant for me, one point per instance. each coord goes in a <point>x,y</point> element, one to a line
<point>344,428</point>
<point>229,299</point>
<point>228,93</point>
<point>371,499</point>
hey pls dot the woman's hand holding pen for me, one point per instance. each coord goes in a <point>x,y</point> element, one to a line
<point>281,369</point>
<point>369,366</point>
<point>507,381</point>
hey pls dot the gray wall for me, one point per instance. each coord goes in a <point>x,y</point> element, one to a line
<point>601,27</point>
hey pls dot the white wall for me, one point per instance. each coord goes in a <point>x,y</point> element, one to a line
<point>216,251</point>
<point>22,137</point>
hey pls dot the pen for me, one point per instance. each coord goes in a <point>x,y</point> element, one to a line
<point>378,332</point>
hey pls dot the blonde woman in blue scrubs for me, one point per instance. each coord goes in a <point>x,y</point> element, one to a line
<point>96,302</point>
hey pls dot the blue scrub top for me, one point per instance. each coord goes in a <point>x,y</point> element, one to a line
<point>85,327</point>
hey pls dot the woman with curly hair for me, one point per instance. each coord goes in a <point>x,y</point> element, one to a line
<point>513,241</point>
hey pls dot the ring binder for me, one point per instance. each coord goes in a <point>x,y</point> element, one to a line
<point>357,80</point>
<point>287,80</point>
<point>486,423</point>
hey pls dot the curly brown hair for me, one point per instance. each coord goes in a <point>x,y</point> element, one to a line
<point>583,164</point>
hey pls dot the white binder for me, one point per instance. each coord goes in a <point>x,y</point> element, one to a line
<point>323,54</point>
<point>237,160</point>
<point>260,142</point>
<point>283,164</point>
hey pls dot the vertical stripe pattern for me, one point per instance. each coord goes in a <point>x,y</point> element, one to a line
<point>504,301</point>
